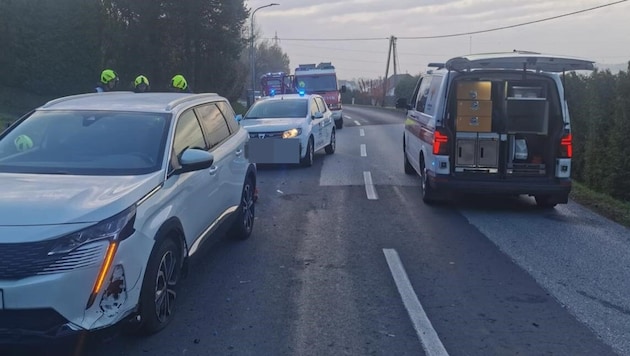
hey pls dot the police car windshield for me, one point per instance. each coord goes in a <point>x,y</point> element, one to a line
<point>278,109</point>
<point>85,143</point>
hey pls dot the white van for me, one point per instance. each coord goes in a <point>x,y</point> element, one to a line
<point>492,123</point>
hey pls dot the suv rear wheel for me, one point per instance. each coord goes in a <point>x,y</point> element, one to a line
<point>244,223</point>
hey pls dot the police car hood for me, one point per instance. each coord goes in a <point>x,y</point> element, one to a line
<point>272,125</point>
<point>42,199</point>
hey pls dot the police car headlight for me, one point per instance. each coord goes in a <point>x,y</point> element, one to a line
<point>291,133</point>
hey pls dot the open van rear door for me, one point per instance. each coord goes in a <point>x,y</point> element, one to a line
<point>519,60</point>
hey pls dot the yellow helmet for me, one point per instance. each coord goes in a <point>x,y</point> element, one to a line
<point>141,79</point>
<point>179,82</point>
<point>108,75</point>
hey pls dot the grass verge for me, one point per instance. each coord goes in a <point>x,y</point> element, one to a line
<point>603,204</point>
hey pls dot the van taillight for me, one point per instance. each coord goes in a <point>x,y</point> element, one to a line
<point>440,143</point>
<point>566,146</point>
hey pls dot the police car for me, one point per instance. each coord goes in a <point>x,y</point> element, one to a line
<point>289,128</point>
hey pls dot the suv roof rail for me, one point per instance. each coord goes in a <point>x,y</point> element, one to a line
<point>436,65</point>
<point>180,101</point>
<point>524,52</point>
<point>77,96</point>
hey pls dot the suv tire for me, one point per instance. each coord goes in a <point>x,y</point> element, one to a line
<point>244,223</point>
<point>158,293</point>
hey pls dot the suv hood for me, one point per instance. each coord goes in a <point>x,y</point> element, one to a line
<point>271,125</point>
<point>518,61</point>
<point>41,199</point>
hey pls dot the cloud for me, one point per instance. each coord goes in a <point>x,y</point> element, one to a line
<point>598,34</point>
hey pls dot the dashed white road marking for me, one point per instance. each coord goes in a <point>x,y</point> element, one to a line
<point>369,186</point>
<point>362,132</point>
<point>363,151</point>
<point>358,123</point>
<point>428,337</point>
<point>347,117</point>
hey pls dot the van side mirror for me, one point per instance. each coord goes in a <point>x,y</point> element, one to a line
<point>343,89</point>
<point>401,103</point>
<point>238,118</point>
<point>317,115</point>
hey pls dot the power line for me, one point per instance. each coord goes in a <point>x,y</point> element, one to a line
<point>458,34</point>
<point>512,26</point>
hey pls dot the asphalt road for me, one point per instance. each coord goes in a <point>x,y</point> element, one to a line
<point>345,259</point>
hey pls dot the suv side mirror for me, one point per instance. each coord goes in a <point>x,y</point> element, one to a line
<point>401,103</point>
<point>317,115</point>
<point>194,159</point>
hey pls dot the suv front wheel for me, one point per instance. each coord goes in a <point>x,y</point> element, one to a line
<point>158,294</point>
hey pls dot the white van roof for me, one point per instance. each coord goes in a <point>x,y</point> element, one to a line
<point>519,60</point>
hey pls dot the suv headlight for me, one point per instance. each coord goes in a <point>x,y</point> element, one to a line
<point>292,133</point>
<point>116,228</point>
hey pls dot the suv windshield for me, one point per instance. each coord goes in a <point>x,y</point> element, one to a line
<point>85,143</point>
<point>278,109</point>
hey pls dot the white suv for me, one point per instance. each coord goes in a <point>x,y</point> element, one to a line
<point>105,198</point>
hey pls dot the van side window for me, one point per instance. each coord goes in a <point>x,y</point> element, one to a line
<point>434,91</point>
<point>423,94</point>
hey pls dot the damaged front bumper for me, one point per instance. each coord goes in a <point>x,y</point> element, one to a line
<point>60,305</point>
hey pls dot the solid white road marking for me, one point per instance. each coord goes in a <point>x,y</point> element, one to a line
<point>358,123</point>
<point>428,337</point>
<point>363,151</point>
<point>369,186</point>
<point>362,132</point>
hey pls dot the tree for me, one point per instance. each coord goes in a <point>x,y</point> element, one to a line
<point>404,88</point>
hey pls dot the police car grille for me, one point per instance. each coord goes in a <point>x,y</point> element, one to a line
<point>267,134</point>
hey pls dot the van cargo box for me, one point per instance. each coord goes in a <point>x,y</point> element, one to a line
<point>474,108</point>
<point>472,123</point>
<point>477,90</point>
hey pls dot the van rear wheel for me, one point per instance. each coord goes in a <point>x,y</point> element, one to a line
<point>428,194</point>
<point>545,201</point>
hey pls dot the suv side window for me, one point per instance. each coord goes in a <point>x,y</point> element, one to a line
<point>188,133</point>
<point>423,94</point>
<point>229,114</point>
<point>213,122</point>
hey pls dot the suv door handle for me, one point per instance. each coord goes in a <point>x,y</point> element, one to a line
<point>213,170</point>
<point>239,152</point>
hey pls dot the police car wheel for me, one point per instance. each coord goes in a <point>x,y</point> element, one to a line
<point>307,161</point>
<point>330,149</point>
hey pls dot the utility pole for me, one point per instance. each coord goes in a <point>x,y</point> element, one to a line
<point>392,40</point>
<point>252,48</point>
<point>276,40</point>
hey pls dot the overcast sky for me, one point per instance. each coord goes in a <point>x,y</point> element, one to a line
<point>602,35</point>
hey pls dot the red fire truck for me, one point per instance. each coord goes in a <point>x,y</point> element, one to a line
<point>277,83</point>
<point>321,79</point>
